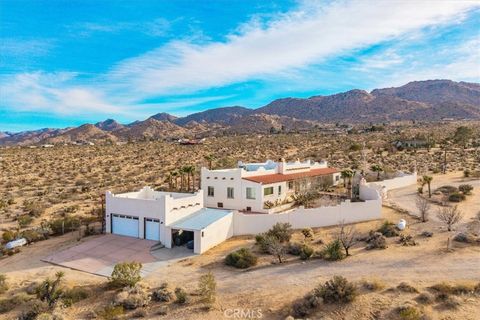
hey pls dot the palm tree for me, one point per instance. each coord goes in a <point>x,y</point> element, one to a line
<point>188,170</point>
<point>209,158</point>
<point>181,173</point>
<point>428,181</point>
<point>347,176</point>
<point>377,168</point>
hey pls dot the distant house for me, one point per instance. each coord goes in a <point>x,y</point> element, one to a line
<point>414,143</point>
<point>259,187</point>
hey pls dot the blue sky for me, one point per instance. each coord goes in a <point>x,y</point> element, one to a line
<point>64,63</point>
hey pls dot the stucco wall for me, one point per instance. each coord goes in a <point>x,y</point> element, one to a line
<point>214,234</point>
<point>396,183</point>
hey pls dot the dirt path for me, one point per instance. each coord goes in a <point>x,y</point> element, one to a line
<point>405,197</point>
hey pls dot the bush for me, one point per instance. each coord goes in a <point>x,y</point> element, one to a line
<point>405,287</point>
<point>409,313</point>
<point>306,252</point>
<point>111,312</point>
<point>406,240</point>
<point>3,283</point>
<point>33,309</point>
<point>464,237</point>
<point>180,295</point>
<point>307,233</point>
<point>333,251</point>
<point>242,259</point>
<point>34,208</point>
<point>125,274</point>
<point>302,308</point>
<point>207,288</point>
<point>424,298</point>
<point>50,290</point>
<point>388,229</point>
<point>75,294</point>
<point>24,220</point>
<point>337,290</point>
<point>260,240</point>
<point>62,225</point>
<point>8,235</point>
<point>465,188</point>
<point>456,197</point>
<point>163,293</point>
<point>373,285</point>
<point>295,248</point>
<point>281,231</point>
<point>376,240</point>
<point>33,235</point>
<point>133,297</point>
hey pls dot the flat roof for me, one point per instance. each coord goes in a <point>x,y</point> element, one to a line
<point>278,177</point>
<point>200,219</point>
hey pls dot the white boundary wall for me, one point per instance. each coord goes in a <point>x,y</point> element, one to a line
<point>369,209</point>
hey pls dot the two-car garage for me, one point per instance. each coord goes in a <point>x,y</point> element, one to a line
<point>129,226</point>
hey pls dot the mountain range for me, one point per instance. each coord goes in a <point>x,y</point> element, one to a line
<point>430,100</point>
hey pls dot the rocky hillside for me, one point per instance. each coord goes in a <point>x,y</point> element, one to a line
<point>430,100</point>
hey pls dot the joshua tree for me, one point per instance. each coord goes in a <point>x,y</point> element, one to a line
<point>377,168</point>
<point>423,206</point>
<point>428,181</point>
<point>462,136</point>
<point>450,216</point>
<point>174,175</point>
<point>347,176</point>
<point>209,158</point>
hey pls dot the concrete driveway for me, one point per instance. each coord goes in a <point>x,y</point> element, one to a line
<point>100,254</point>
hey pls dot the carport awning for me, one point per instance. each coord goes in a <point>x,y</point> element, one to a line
<point>200,219</point>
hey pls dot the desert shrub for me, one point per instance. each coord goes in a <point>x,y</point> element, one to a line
<point>75,294</point>
<point>125,274</point>
<point>337,290</point>
<point>424,298</point>
<point>465,188</point>
<point>8,304</point>
<point>405,287</point>
<point>463,289</point>
<point>294,248</point>
<point>306,252</point>
<point>3,283</point>
<point>33,235</point>
<point>388,229</point>
<point>466,173</point>
<point>180,295</point>
<point>446,190</point>
<point>34,208</point>
<point>376,240</point>
<point>442,288</point>
<point>163,293</point>
<point>464,237</point>
<point>133,297</point>
<point>427,234</point>
<point>50,290</point>
<point>242,258</point>
<point>8,235</point>
<point>207,287</point>
<point>456,197</point>
<point>24,220</point>
<point>111,312</point>
<point>373,284</point>
<point>302,308</point>
<point>409,313</point>
<point>451,302</point>
<point>307,233</point>
<point>33,309</point>
<point>406,240</point>
<point>61,225</point>
<point>333,251</point>
<point>281,231</point>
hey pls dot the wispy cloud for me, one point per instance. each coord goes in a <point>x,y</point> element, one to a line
<point>156,28</point>
<point>294,40</point>
<point>278,48</point>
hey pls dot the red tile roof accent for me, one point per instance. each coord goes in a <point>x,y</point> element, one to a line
<point>278,177</point>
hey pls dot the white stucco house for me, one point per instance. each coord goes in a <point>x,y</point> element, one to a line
<point>167,217</point>
<point>263,187</point>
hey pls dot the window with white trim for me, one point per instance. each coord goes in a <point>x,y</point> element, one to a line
<point>230,194</point>
<point>250,193</point>
<point>211,191</point>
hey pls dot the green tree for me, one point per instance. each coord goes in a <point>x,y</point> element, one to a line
<point>49,290</point>
<point>462,135</point>
<point>428,181</point>
<point>347,176</point>
<point>377,168</point>
<point>126,274</point>
<point>210,158</point>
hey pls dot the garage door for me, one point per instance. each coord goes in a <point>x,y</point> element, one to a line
<point>125,225</point>
<point>152,229</point>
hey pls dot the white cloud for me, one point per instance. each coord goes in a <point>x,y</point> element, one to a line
<point>296,39</point>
